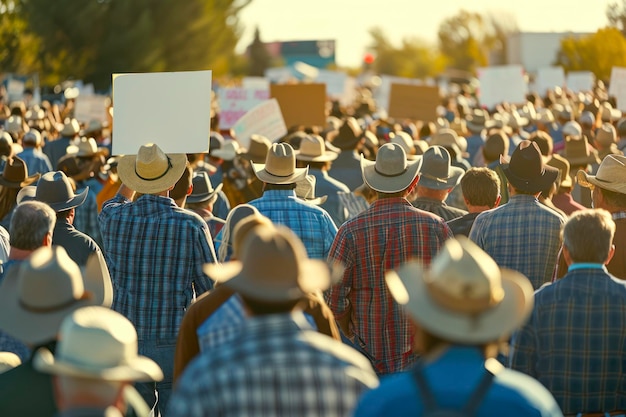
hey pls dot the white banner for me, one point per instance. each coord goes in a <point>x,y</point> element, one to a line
<point>617,88</point>
<point>266,119</point>
<point>235,102</point>
<point>580,81</point>
<point>548,78</point>
<point>501,84</point>
<point>90,108</point>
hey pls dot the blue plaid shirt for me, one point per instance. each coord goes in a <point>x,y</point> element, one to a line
<point>278,367</point>
<point>86,218</point>
<point>155,252</point>
<point>312,224</point>
<point>574,341</point>
<point>523,235</point>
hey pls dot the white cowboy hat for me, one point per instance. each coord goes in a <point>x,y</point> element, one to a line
<point>611,175</point>
<point>280,166</point>
<point>151,171</point>
<point>305,189</point>
<point>313,148</point>
<point>391,172</point>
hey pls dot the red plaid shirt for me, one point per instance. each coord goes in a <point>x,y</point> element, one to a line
<point>388,234</point>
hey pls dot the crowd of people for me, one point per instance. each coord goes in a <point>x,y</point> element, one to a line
<point>472,264</point>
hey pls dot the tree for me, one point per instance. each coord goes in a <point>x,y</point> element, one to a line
<point>597,53</point>
<point>616,14</point>
<point>463,40</point>
<point>259,57</point>
<point>18,47</point>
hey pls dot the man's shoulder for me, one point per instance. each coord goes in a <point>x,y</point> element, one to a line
<point>522,391</point>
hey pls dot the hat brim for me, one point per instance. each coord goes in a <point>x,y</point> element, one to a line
<point>534,185</point>
<point>30,327</point>
<point>201,198</point>
<point>494,324</point>
<point>389,184</point>
<point>97,280</point>
<point>128,175</point>
<point>263,175</point>
<point>327,156</point>
<point>443,183</point>
<point>28,181</point>
<point>593,158</point>
<point>140,369</point>
<point>316,201</point>
<point>589,181</point>
<point>225,155</point>
<point>315,275</point>
<point>78,200</point>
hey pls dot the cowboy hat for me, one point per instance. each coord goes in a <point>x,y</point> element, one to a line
<point>32,137</point>
<point>40,292</point>
<point>560,163</point>
<point>85,148</point>
<point>436,172</point>
<point>391,172</point>
<point>572,129</point>
<point>14,125</point>
<point>464,296</point>
<point>151,171</point>
<point>258,149</point>
<point>305,189</point>
<point>348,135</point>
<point>55,189</point>
<point>229,150</point>
<point>274,267</point>
<point>526,170</point>
<point>8,361</point>
<point>97,343</point>
<point>313,149</point>
<point>578,152</point>
<point>476,120</point>
<point>202,188</point>
<point>26,194</point>
<point>71,127</point>
<point>280,166</point>
<point>611,175</point>
<point>15,174</point>
<point>448,138</point>
<point>608,113</point>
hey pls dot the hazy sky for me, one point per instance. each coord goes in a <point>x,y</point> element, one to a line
<point>348,21</point>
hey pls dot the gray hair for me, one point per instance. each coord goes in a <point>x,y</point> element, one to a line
<point>30,223</point>
<point>588,235</point>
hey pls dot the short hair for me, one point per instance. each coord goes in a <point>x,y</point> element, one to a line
<point>182,185</point>
<point>481,186</point>
<point>588,235</point>
<point>613,198</point>
<point>30,223</point>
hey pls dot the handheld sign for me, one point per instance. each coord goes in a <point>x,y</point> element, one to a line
<point>90,107</point>
<point>235,102</point>
<point>170,109</point>
<point>265,119</point>
<point>580,81</point>
<point>416,102</point>
<point>549,78</point>
<point>617,87</point>
<point>301,104</point>
<point>502,84</point>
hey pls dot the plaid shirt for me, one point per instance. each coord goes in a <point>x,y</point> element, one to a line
<point>312,224</point>
<point>387,234</point>
<point>278,367</point>
<point>523,235</point>
<point>155,252</point>
<point>574,341</point>
<point>86,218</point>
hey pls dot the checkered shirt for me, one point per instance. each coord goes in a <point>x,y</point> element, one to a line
<point>574,341</point>
<point>389,233</point>
<point>523,235</point>
<point>278,367</point>
<point>155,252</point>
<point>312,224</point>
<point>86,218</point>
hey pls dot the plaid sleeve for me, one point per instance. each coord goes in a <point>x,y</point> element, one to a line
<point>337,295</point>
<point>523,352</point>
<point>205,252</point>
<point>476,232</point>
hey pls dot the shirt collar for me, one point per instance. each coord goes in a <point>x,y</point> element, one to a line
<point>279,193</point>
<point>586,265</point>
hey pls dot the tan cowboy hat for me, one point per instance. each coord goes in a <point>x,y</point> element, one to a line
<point>15,174</point>
<point>280,166</point>
<point>611,175</point>
<point>608,113</point>
<point>305,189</point>
<point>85,147</point>
<point>526,169</point>
<point>202,188</point>
<point>55,189</point>
<point>274,267</point>
<point>464,296</point>
<point>229,150</point>
<point>572,129</point>
<point>313,148</point>
<point>36,295</point>
<point>97,343</point>
<point>448,138</point>
<point>258,149</point>
<point>560,163</point>
<point>578,151</point>
<point>14,125</point>
<point>437,172</point>
<point>151,171</point>
<point>391,172</point>
<point>71,127</point>
<point>404,139</point>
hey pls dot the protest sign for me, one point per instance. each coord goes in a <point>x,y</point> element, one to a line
<point>617,87</point>
<point>170,109</point>
<point>383,91</point>
<point>548,78</point>
<point>90,107</point>
<point>265,119</point>
<point>580,81</point>
<point>339,86</point>
<point>301,104</point>
<point>501,84</point>
<point>235,102</point>
<point>416,102</point>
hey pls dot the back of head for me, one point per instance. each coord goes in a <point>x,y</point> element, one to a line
<point>497,144</point>
<point>182,185</point>
<point>30,223</point>
<point>481,187</point>
<point>588,235</point>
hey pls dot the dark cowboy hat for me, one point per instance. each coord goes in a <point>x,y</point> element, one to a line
<point>527,171</point>
<point>348,135</point>
<point>55,190</point>
<point>202,188</point>
<point>258,149</point>
<point>15,174</point>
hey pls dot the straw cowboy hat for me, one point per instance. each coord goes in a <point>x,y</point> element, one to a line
<point>305,189</point>
<point>436,172</point>
<point>348,135</point>
<point>606,137</point>
<point>611,175</point>
<point>391,172</point>
<point>579,152</point>
<point>151,171</point>
<point>71,127</point>
<point>258,149</point>
<point>280,166</point>
<point>464,296</point>
<point>526,170</point>
<point>560,163</point>
<point>274,267</point>
<point>97,343</point>
<point>608,113</point>
<point>15,174</point>
<point>55,189</point>
<point>313,149</point>
<point>229,150</point>
<point>202,188</point>
<point>37,295</point>
<point>85,148</point>
<point>448,138</point>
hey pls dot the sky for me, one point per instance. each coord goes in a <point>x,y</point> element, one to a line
<point>348,21</point>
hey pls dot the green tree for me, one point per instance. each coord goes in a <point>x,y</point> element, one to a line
<point>616,14</point>
<point>598,53</point>
<point>18,47</point>
<point>464,40</point>
<point>259,57</point>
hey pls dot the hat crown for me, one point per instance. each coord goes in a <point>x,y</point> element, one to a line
<point>526,162</point>
<point>151,163</point>
<point>403,139</point>
<point>606,135</point>
<point>258,148</point>
<point>49,280</point>
<point>391,160</point>
<point>15,170</point>
<point>84,147</point>
<point>436,162</point>
<point>32,136</point>
<point>201,184</point>
<point>572,128</point>
<point>577,148</point>
<point>305,188</point>
<point>612,170</point>
<point>312,145</point>
<point>281,160</point>
<point>71,127</point>
<point>54,187</point>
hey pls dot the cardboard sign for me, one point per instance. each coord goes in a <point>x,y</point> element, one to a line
<point>88,108</point>
<point>415,102</point>
<point>235,102</point>
<point>548,79</point>
<point>617,87</point>
<point>502,84</point>
<point>338,86</point>
<point>170,109</point>
<point>301,104</point>
<point>383,91</point>
<point>265,119</point>
<point>580,81</point>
